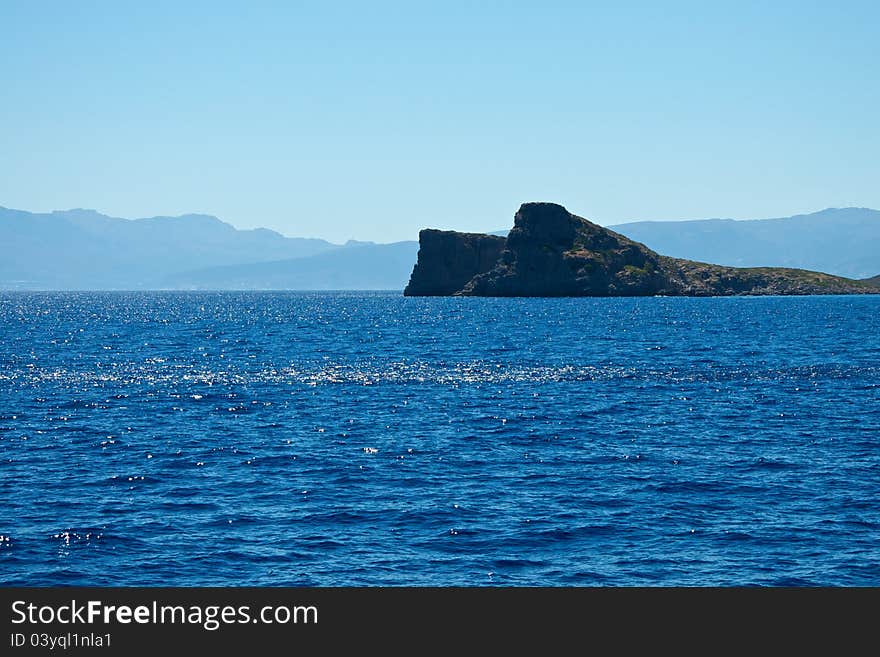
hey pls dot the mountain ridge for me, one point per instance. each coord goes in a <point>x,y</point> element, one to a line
<point>369,266</point>
<point>84,249</point>
<point>837,241</point>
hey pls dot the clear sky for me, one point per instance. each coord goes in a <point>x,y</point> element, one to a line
<point>370,120</point>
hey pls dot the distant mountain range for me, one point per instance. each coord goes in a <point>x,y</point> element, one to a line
<point>356,266</point>
<point>86,250</point>
<point>839,241</point>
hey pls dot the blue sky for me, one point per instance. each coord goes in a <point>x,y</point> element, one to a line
<point>372,120</point>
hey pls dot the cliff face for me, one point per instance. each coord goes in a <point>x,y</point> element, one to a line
<point>447,260</point>
<point>551,252</point>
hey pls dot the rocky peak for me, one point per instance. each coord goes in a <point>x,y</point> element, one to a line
<point>544,222</point>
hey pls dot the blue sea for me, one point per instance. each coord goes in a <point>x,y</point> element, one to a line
<point>370,439</point>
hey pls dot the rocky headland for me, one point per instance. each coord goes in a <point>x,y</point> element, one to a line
<point>553,253</point>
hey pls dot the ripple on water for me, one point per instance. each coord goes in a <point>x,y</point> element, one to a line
<point>371,439</point>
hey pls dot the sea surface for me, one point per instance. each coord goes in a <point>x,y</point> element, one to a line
<point>371,439</point>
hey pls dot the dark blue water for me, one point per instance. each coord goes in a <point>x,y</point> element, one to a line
<point>371,439</point>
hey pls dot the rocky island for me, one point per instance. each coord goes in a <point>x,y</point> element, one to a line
<point>550,252</point>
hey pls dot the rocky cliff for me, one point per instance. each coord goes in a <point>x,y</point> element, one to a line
<point>551,252</point>
<point>448,260</point>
